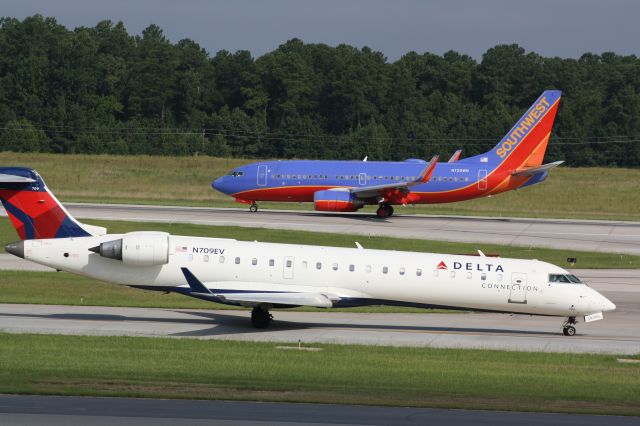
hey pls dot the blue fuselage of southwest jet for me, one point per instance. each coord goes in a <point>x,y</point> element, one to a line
<point>515,162</point>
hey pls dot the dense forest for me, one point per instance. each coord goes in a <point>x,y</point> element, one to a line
<point>102,90</point>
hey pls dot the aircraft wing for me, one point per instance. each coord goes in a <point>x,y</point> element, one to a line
<point>317,300</point>
<point>256,297</point>
<point>372,191</point>
<point>530,171</point>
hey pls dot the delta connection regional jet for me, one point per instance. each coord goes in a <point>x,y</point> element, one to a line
<point>266,275</point>
<point>346,186</point>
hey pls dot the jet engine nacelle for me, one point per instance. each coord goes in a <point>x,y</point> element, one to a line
<point>336,201</point>
<point>137,249</point>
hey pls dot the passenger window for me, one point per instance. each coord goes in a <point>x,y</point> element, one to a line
<point>352,268</point>
<point>319,265</point>
<point>419,272</point>
<point>272,262</point>
<point>289,263</point>
<point>469,275</point>
<point>452,274</point>
<point>483,277</point>
<point>254,261</point>
<point>190,257</point>
<point>221,259</point>
<point>435,272</point>
<point>334,266</point>
<point>499,277</point>
<point>401,271</point>
<point>385,269</point>
<point>367,268</point>
<point>205,258</point>
<point>304,264</point>
<point>237,260</point>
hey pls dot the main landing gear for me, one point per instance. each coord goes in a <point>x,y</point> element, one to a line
<point>568,328</point>
<point>260,316</point>
<point>253,207</point>
<point>384,211</point>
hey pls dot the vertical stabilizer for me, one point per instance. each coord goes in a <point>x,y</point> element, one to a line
<point>33,210</point>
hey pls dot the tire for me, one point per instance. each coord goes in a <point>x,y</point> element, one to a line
<point>260,318</point>
<point>569,331</point>
<point>253,208</point>
<point>384,211</point>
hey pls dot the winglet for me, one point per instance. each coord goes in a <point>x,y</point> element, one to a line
<point>194,283</point>
<point>455,157</point>
<point>428,171</point>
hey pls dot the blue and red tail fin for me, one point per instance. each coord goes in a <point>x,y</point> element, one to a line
<point>526,143</point>
<point>33,210</point>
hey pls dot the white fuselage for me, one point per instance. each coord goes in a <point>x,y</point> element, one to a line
<point>348,276</point>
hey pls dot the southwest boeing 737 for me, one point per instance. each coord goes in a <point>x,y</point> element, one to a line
<point>265,275</point>
<point>346,186</point>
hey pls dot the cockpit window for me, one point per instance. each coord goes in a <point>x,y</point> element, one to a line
<point>574,279</point>
<point>236,174</point>
<point>564,278</point>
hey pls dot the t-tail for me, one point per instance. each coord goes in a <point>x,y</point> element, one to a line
<point>34,211</point>
<point>522,149</point>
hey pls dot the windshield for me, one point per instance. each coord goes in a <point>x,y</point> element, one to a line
<point>236,174</point>
<point>564,278</point>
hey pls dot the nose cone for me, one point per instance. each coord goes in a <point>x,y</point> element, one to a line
<point>608,305</point>
<point>16,249</point>
<point>219,184</point>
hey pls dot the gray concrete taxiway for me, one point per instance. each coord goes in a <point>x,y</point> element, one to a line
<point>72,411</point>
<point>586,235</point>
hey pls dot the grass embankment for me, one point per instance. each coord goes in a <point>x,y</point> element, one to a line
<point>172,368</point>
<point>67,289</point>
<point>584,193</point>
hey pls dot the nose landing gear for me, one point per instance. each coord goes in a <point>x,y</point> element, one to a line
<point>253,207</point>
<point>568,328</point>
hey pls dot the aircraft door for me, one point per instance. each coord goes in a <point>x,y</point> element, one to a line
<point>518,288</point>
<point>363,179</point>
<point>482,180</point>
<point>288,267</point>
<point>262,175</point>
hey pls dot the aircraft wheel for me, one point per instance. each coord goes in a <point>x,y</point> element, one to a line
<point>253,208</point>
<point>569,330</point>
<point>384,211</point>
<point>260,317</point>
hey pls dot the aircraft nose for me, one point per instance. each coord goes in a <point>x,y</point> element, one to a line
<point>219,184</point>
<point>608,305</point>
<point>16,249</point>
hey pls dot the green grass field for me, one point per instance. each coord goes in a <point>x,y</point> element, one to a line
<point>585,193</point>
<point>206,369</point>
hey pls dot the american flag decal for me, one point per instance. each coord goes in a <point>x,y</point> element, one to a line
<point>181,249</point>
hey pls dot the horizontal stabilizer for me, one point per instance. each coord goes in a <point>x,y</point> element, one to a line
<point>530,171</point>
<point>4,178</point>
<point>293,299</point>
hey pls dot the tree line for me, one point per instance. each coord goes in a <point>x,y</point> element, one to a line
<point>102,90</point>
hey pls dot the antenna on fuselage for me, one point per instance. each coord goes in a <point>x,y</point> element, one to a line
<point>359,246</point>
<point>365,158</point>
